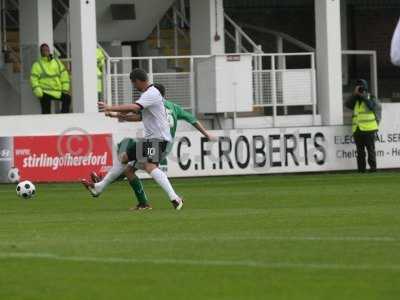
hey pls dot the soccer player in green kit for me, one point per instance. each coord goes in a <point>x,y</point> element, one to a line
<point>128,145</point>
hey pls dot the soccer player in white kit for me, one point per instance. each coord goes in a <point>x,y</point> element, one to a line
<point>395,49</point>
<point>157,136</point>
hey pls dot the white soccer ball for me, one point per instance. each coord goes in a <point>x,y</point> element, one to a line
<point>13,175</point>
<point>26,189</point>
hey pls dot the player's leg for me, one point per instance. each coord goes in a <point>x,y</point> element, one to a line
<point>137,187</point>
<point>96,188</point>
<point>155,151</point>
<point>124,152</point>
<point>115,172</point>
<point>162,179</point>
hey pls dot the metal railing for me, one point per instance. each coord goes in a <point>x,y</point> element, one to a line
<point>281,37</point>
<point>6,18</point>
<point>274,85</point>
<point>292,83</point>
<point>239,36</point>
<point>176,16</point>
<point>64,17</point>
<point>180,85</point>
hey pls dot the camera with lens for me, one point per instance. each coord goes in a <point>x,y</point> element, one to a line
<point>362,86</point>
<point>361,89</point>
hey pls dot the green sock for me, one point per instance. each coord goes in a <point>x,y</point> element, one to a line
<point>137,187</point>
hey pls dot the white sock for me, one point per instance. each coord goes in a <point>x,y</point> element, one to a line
<point>161,178</point>
<point>116,171</point>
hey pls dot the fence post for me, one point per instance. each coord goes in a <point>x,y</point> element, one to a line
<point>238,41</point>
<point>175,20</point>
<point>260,73</point>
<point>158,36</point>
<point>374,74</point>
<point>108,82</point>
<point>281,59</point>
<point>192,87</point>
<point>116,86</point>
<point>151,75</point>
<point>273,90</point>
<point>281,63</point>
<point>314,88</point>
<point>255,80</point>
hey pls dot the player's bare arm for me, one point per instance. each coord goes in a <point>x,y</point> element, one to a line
<point>122,117</point>
<point>130,118</point>
<point>203,131</point>
<point>124,108</point>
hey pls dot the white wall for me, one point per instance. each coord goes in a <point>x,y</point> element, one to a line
<point>205,23</point>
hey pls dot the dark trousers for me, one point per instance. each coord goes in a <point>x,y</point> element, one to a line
<point>45,103</point>
<point>365,140</point>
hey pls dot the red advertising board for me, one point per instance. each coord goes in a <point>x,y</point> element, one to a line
<point>62,158</point>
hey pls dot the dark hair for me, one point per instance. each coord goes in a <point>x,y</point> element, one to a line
<point>161,88</point>
<point>44,45</point>
<point>138,74</point>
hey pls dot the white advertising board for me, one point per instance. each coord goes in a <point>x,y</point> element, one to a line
<point>235,152</point>
<point>287,150</point>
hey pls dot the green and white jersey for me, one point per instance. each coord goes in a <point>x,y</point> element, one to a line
<point>176,113</point>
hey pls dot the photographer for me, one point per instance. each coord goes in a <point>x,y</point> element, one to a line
<point>364,125</point>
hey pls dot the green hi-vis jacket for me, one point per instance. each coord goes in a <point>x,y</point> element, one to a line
<point>364,119</point>
<point>364,113</point>
<point>101,60</point>
<point>49,76</point>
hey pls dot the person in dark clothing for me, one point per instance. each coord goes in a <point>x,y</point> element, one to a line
<point>364,125</point>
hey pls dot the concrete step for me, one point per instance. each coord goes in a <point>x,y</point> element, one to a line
<point>17,68</point>
<point>168,41</point>
<point>168,51</point>
<point>13,45</point>
<point>169,33</point>
<point>12,59</point>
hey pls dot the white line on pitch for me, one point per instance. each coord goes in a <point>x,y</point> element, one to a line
<point>272,238</point>
<point>224,239</point>
<point>190,262</point>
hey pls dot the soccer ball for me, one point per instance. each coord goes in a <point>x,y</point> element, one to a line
<point>13,175</point>
<point>26,189</point>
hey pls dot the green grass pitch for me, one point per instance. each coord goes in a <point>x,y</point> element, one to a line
<point>327,236</point>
